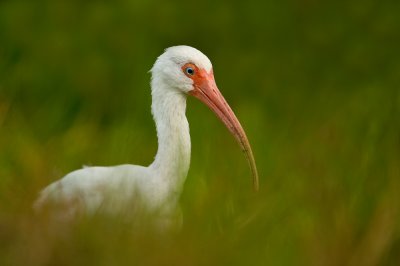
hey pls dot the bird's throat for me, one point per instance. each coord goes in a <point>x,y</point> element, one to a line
<point>173,155</point>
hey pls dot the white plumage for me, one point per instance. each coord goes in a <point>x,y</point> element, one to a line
<point>179,71</point>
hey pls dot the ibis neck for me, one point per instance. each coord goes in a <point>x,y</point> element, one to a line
<point>173,156</point>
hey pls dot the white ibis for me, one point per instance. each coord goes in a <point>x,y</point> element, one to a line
<point>178,72</point>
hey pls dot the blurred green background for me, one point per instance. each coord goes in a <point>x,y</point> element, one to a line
<point>315,84</point>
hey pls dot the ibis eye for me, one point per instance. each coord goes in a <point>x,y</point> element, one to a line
<point>189,71</point>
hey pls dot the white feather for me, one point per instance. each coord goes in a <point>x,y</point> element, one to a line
<point>117,190</point>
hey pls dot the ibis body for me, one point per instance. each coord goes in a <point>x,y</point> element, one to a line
<point>178,72</point>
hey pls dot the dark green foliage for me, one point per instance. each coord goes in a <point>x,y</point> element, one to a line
<point>315,85</point>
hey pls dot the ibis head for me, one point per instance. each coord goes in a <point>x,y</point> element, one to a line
<point>187,70</point>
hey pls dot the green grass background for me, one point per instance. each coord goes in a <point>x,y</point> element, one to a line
<point>315,85</point>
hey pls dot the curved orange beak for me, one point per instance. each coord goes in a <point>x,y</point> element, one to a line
<point>205,89</point>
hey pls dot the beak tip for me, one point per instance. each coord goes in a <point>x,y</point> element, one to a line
<point>256,185</point>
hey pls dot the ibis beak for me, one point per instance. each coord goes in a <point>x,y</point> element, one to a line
<point>205,89</point>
